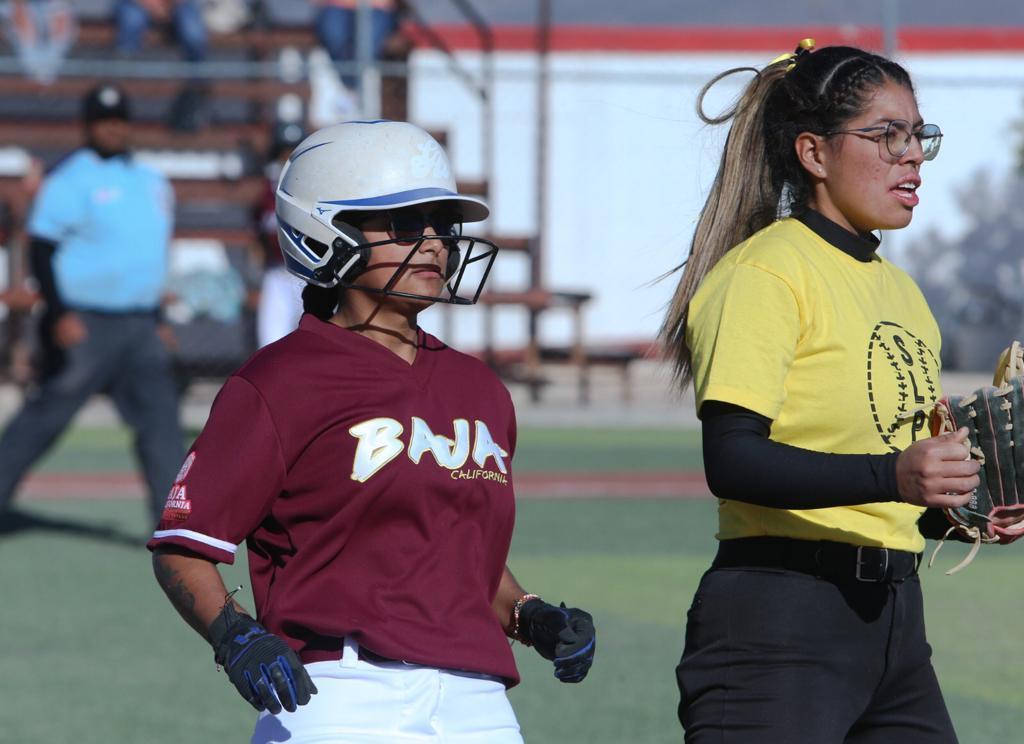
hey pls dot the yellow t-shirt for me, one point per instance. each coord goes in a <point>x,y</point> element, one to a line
<point>839,353</point>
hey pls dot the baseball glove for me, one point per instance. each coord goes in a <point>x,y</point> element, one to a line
<point>994,417</point>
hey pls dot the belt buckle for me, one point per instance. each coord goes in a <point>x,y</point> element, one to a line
<point>860,565</point>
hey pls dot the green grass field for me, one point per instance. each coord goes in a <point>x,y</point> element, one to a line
<point>539,450</point>
<point>95,653</point>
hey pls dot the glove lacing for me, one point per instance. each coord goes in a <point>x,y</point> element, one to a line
<point>972,532</point>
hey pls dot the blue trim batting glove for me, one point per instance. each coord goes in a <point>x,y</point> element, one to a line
<point>264,669</point>
<point>563,635</point>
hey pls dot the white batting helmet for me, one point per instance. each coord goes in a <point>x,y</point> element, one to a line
<point>360,166</point>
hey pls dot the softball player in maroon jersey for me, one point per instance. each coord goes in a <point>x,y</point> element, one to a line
<point>368,468</point>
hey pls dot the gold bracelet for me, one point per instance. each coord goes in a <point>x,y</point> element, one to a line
<point>514,632</point>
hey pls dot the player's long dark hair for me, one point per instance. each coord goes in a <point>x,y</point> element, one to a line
<point>321,302</point>
<point>759,177</point>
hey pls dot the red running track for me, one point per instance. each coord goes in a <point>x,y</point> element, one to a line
<point>672,484</point>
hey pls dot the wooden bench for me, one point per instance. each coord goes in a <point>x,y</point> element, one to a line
<point>263,41</point>
<point>256,90</point>
<point>512,365</point>
<point>618,357</point>
<point>67,135</point>
<point>536,302</point>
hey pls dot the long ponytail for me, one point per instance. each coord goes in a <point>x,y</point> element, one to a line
<point>742,201</point>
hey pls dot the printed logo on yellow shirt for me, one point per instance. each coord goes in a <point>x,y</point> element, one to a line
<point>902,382</point>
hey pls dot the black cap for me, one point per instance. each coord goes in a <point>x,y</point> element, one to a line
<point>105,102</point>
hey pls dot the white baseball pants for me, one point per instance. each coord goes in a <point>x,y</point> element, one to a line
<point>363,702</point>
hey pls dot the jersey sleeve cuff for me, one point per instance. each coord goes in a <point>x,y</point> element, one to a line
<point>742,398</point>
<point>195,542</point>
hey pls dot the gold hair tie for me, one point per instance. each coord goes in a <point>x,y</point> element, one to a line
<point>806,46</point>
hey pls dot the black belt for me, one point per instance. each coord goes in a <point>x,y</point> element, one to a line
<point>827,560</point>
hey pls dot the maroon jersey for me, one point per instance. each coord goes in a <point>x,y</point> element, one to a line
<point>375,497</point>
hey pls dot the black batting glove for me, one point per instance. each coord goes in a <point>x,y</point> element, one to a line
<point>264,669</point>
<point>564,635</point>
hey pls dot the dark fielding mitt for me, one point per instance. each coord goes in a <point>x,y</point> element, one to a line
<point>994,417</point>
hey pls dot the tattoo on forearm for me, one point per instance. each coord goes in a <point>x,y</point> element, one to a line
<point>170,580</point>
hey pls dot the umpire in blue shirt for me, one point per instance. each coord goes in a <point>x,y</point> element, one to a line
<point>99,233</point>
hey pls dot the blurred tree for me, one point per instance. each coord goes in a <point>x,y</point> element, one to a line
<point>973,282</point>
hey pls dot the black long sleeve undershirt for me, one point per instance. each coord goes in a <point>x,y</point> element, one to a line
<point>41,260</point>
<point>785,477</point>
<point>742,464</point>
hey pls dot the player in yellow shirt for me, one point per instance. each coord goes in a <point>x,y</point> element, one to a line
<point>812,357</point>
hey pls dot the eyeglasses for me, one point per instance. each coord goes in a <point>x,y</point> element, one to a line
<point>898,134</point>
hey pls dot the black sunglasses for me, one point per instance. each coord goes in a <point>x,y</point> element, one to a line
<point>410,224</point>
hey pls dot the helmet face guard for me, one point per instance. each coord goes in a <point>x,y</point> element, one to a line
<point>469,263</point>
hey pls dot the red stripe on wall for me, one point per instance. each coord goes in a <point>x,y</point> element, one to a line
<point>581,38</point>
<point>961,39</point>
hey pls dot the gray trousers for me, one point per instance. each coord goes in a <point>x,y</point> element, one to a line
<point>124,358</point>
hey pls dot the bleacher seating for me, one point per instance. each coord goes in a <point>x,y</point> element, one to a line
<point>215,163</point>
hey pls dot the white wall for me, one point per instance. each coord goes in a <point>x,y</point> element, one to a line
<point>630,165</point>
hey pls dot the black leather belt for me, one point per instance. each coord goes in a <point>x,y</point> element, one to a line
<point>827,560</point>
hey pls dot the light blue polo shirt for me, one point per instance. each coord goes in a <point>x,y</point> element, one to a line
<point>111,220</point>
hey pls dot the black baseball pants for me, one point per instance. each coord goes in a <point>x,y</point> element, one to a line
<point>124,358</point>
<point>776,656</point>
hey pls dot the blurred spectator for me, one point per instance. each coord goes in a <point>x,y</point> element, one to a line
<point>188,110</point>
<point>330,100</point>
<point>133,18</point>
<point>41,32</point>
<point>18,299</point>
<point>336,30</point>
<point>99,232</point>
<point>14,295</point>
<point>226,16</point>
<point>280,304</point>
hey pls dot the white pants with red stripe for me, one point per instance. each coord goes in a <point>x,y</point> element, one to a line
<point>363,702</point>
